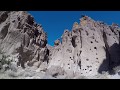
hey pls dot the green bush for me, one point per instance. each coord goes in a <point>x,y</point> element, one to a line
<point>4,59</point>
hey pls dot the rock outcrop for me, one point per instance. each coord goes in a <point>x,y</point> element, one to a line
<point>90,48</point>
<point>20,35</point>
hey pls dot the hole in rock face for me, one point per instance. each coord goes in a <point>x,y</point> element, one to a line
<point>48,52</point>
<point>88,66</point>
<point>77,54</point>
<point>13,21</point>
<point>92,37</point>
<point>87,33</point>
<point>95,48</point>
<point>91,42</point>
<point>54,75</point>
<point>18,18</point>
<point>80,52</point>
<point>79,63</point>
<point>68,50</point>
<point>96,41</point>
<point>90,69</point>
<point>73,41</point>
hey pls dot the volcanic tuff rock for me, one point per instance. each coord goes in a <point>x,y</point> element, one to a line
<point>91,47</point>
<point>21,36</point>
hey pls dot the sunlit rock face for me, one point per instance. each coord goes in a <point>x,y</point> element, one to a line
<point>87,48</point>
<point>90,48</point>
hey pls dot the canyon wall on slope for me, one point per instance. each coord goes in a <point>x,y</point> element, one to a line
<point>91,47</point>
<point>22,37</point>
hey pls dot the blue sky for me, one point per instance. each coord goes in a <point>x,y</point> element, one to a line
<point>55,22</point>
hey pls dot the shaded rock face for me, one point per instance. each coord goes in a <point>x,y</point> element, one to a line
<point>22,36</point>
<point>91,47</point>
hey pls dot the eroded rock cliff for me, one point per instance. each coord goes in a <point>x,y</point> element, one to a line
<point>21,36</point>
<point>90,48</point>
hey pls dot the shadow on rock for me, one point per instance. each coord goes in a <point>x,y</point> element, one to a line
<point>112,59</point>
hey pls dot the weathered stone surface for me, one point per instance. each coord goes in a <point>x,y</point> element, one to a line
<point>19,34</point>
<point>90,48</point>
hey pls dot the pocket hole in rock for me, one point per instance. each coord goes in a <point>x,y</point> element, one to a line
<point>95,47</point>
<point>91,42</point>
<point>90,69</point>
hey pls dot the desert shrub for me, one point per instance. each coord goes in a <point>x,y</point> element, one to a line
<point>4,60</point>
<point>116,69</point>
<point>12,74</point>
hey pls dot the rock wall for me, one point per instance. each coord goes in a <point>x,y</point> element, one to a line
<point>20,35</point>
<point>86,48</point>
<point>91,47</point>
